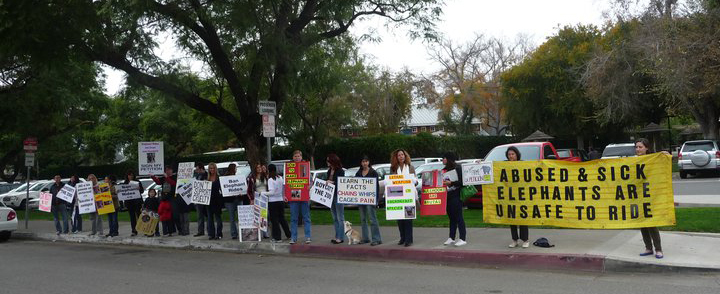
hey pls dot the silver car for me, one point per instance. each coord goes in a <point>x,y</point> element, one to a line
<point>698,156</point>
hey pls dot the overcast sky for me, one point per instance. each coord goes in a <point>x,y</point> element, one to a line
<point>461,21</point>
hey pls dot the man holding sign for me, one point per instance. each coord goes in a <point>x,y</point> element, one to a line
<point>59,207</point>
<point>297,192</point>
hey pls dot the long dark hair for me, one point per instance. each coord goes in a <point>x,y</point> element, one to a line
<point>513,148</point>
<point>646,143</point>
<point>451,158</point>
<point>272,170</point>
<point>334,161</point>
<point>127,176</point>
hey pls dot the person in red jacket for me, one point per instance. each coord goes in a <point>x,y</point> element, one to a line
<point>165,211</point>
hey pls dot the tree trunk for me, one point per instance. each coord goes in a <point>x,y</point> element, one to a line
<point>252,142</point>
<point>706,113</point>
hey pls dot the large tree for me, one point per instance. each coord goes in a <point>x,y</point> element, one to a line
<point>252,46</point>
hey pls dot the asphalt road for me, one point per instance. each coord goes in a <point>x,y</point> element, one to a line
<point>697,186</point>
<point>46,267</point>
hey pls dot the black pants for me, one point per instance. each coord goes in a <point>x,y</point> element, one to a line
<point>245,200</point>
<point>168,227</point>
<point>651,236</point>
<point>176,210</point>
<point>202,216</point>
<point>277,219</point>
<point>214,229</point>
<point>523,232</point>
<point>406,230</point>
<point>457,222</point>
<point>133,207</point>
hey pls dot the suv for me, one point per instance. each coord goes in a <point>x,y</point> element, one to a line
<point>619,150</point>
<point>698,156</point>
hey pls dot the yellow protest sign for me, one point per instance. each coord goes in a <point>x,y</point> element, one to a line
<point>617,193</point>
<point>103,200</point>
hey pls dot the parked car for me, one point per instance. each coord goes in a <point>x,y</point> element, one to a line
<point>8,222</point>
<point>429,167</point>
<point>698,156</point>
<point>16,199</point>
<point>619,150</point>
<point>7,187</point>
<point>528,151</point>
<point>416,162</point>
<point>573,154</point>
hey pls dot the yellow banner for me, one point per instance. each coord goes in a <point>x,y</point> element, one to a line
<point>103,200</point>
<point>620,193</point>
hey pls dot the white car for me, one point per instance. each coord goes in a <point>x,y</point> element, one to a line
<point>16,198</point>
<point>619,150</point>
<point>8,222</point>
<point>699,156</point>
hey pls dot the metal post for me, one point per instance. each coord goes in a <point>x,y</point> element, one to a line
<point>27,198</point>
<point>269,150</point>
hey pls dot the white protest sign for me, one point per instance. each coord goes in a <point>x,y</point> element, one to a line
<point>246,216</point>
<point>201,192</point>
<point>67,193</point>
<point>400,180</point>
<point>129,191</point>
<point>356,190</point>
<point>86,197</point>
<point>45,202</point>
<point>185,170</point>
<point>477,173</point>
<point>184,188</point>
<point>150,158</point>
<point>261,208</point>
<point>233,186</point>
<point>400,202</point>
<point>322,192</point>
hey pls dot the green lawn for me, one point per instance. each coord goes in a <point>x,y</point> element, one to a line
<point>704,219</point>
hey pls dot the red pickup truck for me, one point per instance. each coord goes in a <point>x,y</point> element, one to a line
<point>528,151</point>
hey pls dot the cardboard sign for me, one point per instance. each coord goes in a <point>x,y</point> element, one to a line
<point>201,192</point>
<point>128,191</point>
<point>185,170</point>
<point>357,190</point>
<point>147,222</point>
<point>66,193</point>
<point>246,216</point>
<point>400,202</point>
<point>86,197</point>
<point>249,235</point>
<point>322,192</point>
<point>297,181</point>
<point>233,186</point>
<point>151,159</point>
<point>261,212</point>
<point>400,180</point>
<point>477,173</point>
<point>184,188</point>
<point>433,201</point>
<point>103,200</point>
<point>45,203</point>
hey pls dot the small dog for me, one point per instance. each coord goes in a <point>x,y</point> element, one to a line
<point>352,235</point>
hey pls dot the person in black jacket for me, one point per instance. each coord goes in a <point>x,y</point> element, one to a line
<point>452,179</point>
<point>201,175</point>
<point>133,205</point>
<point>367,212</point>
<point>180,209</point>
<point>231,203</point>
<point>75,216</point>
<point>152,203</point>
<point>335,170</point>
<point>214,229</point>
<point>59,207</point>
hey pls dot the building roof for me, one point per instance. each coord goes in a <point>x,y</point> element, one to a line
<point>537,136</point>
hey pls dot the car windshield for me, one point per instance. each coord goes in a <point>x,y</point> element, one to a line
<point>22,187</point>
<point>619,151</point>
<point>526,153</point>
<point>429,167</point>
<point>39,186</point>
<point>704,146</point>
<point>417,163</point>
<point>563,153</point>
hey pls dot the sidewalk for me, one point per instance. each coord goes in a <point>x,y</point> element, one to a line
<point>583,250</point>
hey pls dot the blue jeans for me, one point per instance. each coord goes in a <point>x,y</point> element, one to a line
<point>77,221</point>
<point>338,215</point>
<point>299,207</point>
<point>60,210</point>
<point>368,216</point>
<point>113,221</point>
<point>232,210</point>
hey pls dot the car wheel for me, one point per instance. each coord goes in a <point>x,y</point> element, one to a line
<point>4,236</point>
<point>683,174</point>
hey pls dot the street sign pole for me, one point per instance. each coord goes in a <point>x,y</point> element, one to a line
<point>30,146</point>
<point>268,110</point>
<point>269,150</point>
<point>27,197</point>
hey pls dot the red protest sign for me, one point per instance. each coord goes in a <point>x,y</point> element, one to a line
<point>433,201</point>
<point>297,181</point>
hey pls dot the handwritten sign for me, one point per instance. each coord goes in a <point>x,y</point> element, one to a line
<point>67,193</point>
<point>246,216</point>
<point>322,192</point>
<point>45,202</point>
<point>86,197</point>
<point>357,190</point>
<point>477,173</point>
<point>150,158</point>
<point>201,192</point>
<point>233,186</point>
<point>129,191</point>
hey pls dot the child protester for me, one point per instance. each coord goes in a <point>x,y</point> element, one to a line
<point>165,211</point>
<point>152,204</point>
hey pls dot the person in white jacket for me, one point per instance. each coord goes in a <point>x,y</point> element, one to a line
<point>400,164</point>
<point>276,204</point>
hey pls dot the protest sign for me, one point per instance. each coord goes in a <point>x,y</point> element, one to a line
<point>233,186</point>
<point>185,170</point>
<point>246,216</point>
<point>150,158</point>
<point>201,192</point>
<point>128,191</point>
<point>632,192</point>
<point>477,173</point>
<point>184,188</point>
<point>249,235</point>
<point>261,212</point>
<point>400,180</point>
<point>357,190</point>
<point>433,201</point>
<point>297,181</point>
<point>103,200</point>
<point>86,197</point>
<point>322,192</point>
<point>45,203</point>
<point>400,202</point>
<point>147,222</point>
<point>66,193</point>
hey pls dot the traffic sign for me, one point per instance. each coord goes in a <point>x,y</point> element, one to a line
<point>268,126</point>
<point>29,159</point>
<point>30,144</point>
<point>267,107</point>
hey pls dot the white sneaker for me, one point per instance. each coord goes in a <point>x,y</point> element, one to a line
<point>526,244</point>
<point>460,242</point>
<point>513,244</point>
<point>449,241</point>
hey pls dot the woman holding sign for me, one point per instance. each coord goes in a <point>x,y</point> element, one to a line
<point>231,203</point>
<point>400,164</point>
<point>513,154</point>
<point>94,217</point>
<point>113,216</point>
<point>276,204</point>
<point>133,205</point>
<point>335,170</point>
<point>367,212</point>
<point>216,204</point>
<point>452,179</point>
<point>651,236</point>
